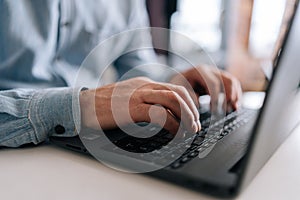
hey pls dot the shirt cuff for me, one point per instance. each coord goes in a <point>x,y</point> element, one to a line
<point>55,112</point>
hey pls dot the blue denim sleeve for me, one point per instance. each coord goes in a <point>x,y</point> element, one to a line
<point>31,116</point>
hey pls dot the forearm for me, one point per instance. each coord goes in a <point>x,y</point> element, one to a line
<point>240,25</point>
<point>31,116</point>
<point>240,62</point>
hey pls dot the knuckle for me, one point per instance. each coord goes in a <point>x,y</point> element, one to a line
<point>181,88</point>
<point>217,84</point>
<point>152,85</point>
<point>142,78</point>
<point>230,80</point>
<point>148,85</point>
<point>214,85</point>
<point>172,96</point>
<point>137,97</point>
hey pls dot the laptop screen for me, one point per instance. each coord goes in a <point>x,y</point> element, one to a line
<point>269,30</point>
<point>280,112</point>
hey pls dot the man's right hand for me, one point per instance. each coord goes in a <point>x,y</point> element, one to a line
<point>139,100</point>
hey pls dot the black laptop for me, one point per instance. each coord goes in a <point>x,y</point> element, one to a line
<point>226,154</point>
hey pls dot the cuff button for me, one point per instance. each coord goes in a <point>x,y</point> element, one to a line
<point>59,129</point>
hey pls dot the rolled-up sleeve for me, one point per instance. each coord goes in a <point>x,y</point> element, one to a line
<point>31,116</point>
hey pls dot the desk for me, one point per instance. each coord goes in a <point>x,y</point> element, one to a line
<point>49,172</point>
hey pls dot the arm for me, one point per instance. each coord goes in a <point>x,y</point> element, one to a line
<point>31,116</point>
<point>252,71</point>
<point>240,62</point>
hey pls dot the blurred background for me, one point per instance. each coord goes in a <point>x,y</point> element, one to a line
<point>239,35</point>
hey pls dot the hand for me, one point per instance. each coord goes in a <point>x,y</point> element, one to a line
<point>248,70</point>
<point>208,80</point>
<point>139,100</point>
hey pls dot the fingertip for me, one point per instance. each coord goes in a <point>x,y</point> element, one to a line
<point>195,127</point>
<point>199,126</point>
<point>236,105</point>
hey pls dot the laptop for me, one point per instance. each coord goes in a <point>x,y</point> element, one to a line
<point>226,154</point>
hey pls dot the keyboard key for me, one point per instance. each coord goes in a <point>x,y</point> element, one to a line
<point>198,141</point>
<point>193,147</point>
<point>201,149</point>
<point>193,154</point>
<point>205,145</point>
<point>176,165</point>
<point>224,133</point>
<point>202,133</point>
<point>213,141</point>
<point>185,159</point>
<point>219,137</point>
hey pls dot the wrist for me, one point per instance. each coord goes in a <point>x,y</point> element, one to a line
<point>87,109</point>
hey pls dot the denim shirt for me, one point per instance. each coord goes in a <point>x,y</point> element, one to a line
<point>42,45</point>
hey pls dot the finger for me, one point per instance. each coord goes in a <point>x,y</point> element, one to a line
<point>239,93</point>
<point>230,93</point>
<point>157,115</point>
<point>172,101</point>
<point>232,90</point>
<point>182,80</point>
<point>214,90</point>
<point>183,93</point>
<point>190,102</point>
<point>211,81</point>
<point>188,98</point>
<point>234,96</point>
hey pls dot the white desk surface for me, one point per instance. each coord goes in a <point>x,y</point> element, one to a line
<point>49,172</point>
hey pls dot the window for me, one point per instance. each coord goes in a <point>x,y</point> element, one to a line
<point>199,20</point>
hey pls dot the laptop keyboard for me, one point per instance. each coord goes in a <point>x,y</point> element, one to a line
<point>214,129</point>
